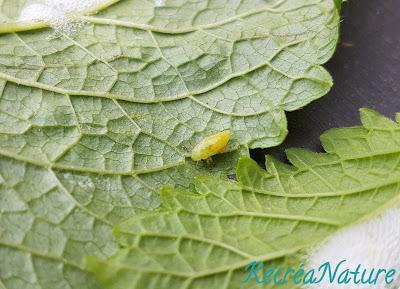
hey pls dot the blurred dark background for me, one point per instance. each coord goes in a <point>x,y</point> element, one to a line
<point>366,72</point>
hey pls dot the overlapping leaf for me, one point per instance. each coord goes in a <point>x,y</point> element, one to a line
<point>204,239</point>
<point>92,124</point>
<point>131,96</point>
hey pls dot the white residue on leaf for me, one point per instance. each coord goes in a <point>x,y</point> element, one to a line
<point>159,3</point>
<point>60,14</point>
<point>375,244</point>
<point>36,12</point>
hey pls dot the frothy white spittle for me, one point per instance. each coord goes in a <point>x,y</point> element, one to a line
<point>375,244</point>
<point>60,14</point>
<point>36,12</point>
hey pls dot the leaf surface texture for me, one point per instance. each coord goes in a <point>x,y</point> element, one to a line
<point>204,239</point>
<point>92,124</point>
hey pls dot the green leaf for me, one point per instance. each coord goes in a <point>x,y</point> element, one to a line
<point>339,4</point>
<point>92,124</point>
<point>134,90</point>
<point>204,239</point>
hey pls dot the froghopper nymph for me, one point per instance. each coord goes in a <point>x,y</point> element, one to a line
<point>211,145</point>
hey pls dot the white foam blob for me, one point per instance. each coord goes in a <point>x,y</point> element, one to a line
<point>375,244</point>
<point>36,12</point>
<point>60,14</point>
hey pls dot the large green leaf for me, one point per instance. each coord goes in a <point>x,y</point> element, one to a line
<point>92,124</point>
<point>130,94</point>
<point>204,239</point>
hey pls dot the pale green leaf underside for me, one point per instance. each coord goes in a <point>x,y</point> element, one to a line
<point>92,124</point>
<point>203,240</point>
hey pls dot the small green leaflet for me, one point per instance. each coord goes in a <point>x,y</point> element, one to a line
<point>204,239</point>
<point>92,124</point>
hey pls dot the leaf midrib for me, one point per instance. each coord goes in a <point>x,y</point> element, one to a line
<point>236,266</point>
<point>18,26</point>
<point>222,269</point>
<point>147,27</point>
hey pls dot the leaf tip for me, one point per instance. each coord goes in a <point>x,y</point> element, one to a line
<point>373,119</point>
<point>167,197</point>
<point>91,264</point>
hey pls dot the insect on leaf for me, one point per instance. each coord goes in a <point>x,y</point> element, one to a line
<point>93,123</point>
<point>204,239</point>
<point>211,145</point>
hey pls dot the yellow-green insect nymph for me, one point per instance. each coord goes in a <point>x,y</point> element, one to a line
<point>211,145</point>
